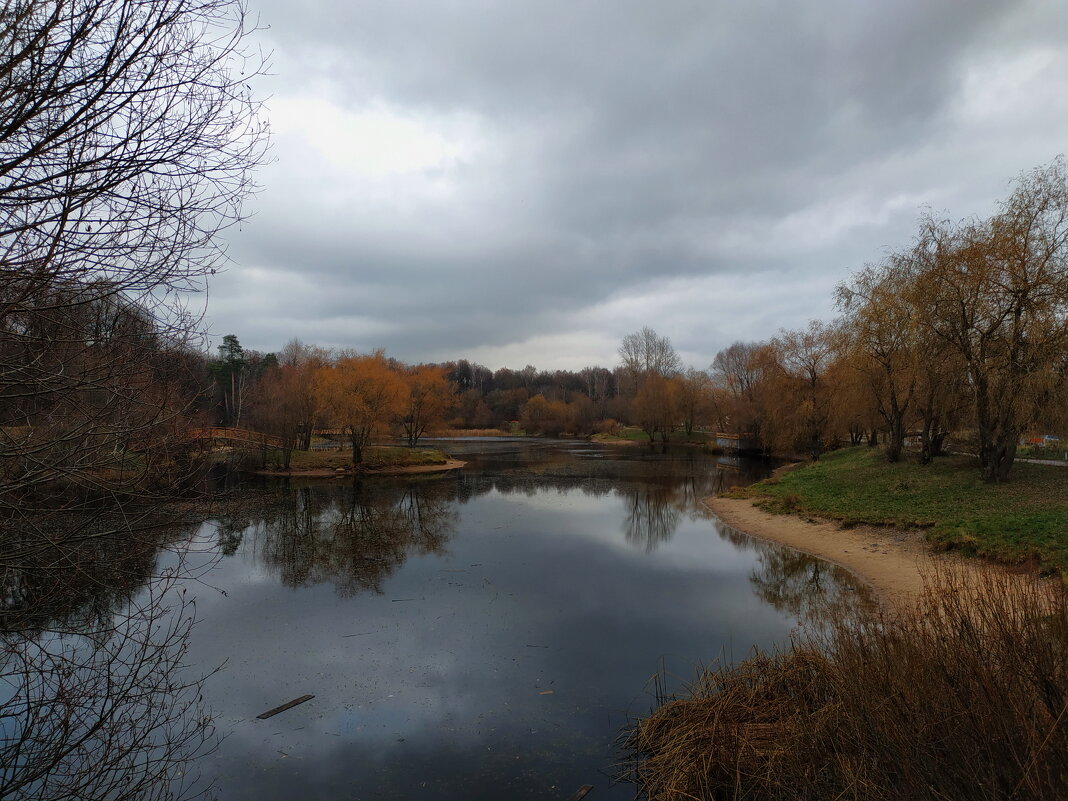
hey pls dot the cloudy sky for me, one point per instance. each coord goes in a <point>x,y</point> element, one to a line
<point>519,182</point>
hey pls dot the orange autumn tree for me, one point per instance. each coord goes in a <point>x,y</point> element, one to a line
<point>427,401</point>
<point>362,395</point>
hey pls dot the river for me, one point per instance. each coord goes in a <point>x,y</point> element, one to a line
<point>481,634</point>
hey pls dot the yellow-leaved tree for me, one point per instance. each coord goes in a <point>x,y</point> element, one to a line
<point>427,401</point>
<point>361,394</point>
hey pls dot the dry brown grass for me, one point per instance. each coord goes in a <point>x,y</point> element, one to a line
<point>961,696</point>
<point>473,432</point>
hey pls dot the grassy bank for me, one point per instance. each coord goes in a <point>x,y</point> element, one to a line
<point>962,696</point>
<point>1023,521</point>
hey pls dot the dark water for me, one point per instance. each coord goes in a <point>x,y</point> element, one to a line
<point>484,634</point>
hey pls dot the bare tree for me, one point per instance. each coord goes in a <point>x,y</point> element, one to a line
<point>127,136</point>
<point>646,353</point>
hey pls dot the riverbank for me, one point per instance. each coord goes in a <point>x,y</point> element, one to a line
<point>635,436</point>
<point>891,561</point>
<point>945,505</point>
<point>377,461</point>
<point>449,464</point>
<point>959,687</point>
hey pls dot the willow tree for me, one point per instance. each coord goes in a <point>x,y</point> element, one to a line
<point>880,324</point>
<point>805,394</point>
<point>998,295</point>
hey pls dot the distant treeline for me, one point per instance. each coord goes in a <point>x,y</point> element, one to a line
<point>963,332</point>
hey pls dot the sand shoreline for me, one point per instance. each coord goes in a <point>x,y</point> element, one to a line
<point>891,561</point>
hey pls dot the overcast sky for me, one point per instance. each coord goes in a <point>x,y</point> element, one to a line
<point>519,182</point>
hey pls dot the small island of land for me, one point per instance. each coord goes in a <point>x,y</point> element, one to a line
<point>377,461</point>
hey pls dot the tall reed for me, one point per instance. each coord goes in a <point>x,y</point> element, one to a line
<point>961,695</point>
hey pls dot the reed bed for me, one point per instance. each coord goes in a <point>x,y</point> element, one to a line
<point>961,695</point>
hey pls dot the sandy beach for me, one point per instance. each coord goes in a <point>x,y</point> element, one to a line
<point>891,561</point>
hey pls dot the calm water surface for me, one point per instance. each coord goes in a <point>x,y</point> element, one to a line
<point>480,635</point>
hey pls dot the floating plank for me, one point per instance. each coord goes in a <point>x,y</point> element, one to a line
<point>581,792</point>
<point>287,705</point>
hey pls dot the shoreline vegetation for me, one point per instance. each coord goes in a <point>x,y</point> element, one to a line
<point>958,694</point>
<point>946,504</point>
<point>377,461</point>
<point>630,435</point>
<point>956,687</point>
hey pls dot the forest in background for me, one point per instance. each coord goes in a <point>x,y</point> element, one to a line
<point>963,333</point>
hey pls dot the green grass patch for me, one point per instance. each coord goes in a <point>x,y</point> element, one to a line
<point>1024,520</point>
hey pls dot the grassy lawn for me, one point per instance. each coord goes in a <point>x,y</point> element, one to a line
<point>374,458</point>
<point>1023,520</point>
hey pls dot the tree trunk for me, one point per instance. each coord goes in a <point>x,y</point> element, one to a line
<point>816,446</point>
<point>895,440</point>
<point>997,458</point>
<point>856,434</point>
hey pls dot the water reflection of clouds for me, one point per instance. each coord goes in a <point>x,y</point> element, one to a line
<point>99,700</point>
<point>567,574</point>
<point>458,660</point>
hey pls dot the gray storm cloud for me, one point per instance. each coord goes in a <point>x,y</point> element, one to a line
<point>496,179</point>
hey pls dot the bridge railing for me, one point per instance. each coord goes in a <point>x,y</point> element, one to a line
<point>244,435</point>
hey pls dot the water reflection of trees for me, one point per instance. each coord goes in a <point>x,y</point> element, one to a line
<point>659,489</point>
<point>813,590</point>
<point>353,536</point>
<point>97,700</point>
<point>817,592</point>
<point>73,584</point>
<point>356,536</point>
<point>654,510</point>
<point>653,514</point>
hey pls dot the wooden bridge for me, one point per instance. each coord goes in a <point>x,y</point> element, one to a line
<point>236,436</point>
<point>735,442</point>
